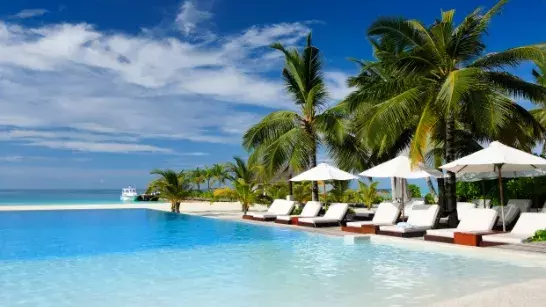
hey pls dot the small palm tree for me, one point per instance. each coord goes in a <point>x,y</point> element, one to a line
<point>244,187</point>
<point>172,186</point>
<point>197,177</point>
<point>219,174</point>
<point>208,175</point>
<point>338,193</point>
<point>289,140</point>
<point>367,193</point>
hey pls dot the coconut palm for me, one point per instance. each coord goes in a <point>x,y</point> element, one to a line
<point>540,113</point>
<point>436,82</point>
<point>197,177</point>
<point>289,140</point>
<point>208,175</point>
<point>244,186</point>
<point>219,173</point>
<point>367,193</point>
<point>172,186</point>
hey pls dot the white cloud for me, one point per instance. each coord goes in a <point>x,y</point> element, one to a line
<point>11,159</point>
<point>336,82</point>
<point>29,13</point>
<point>72,87</point>
<point>189,17</point>
<point>100,147</point>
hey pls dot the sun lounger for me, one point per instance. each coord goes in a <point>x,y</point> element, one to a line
<point>364,214</point>
<point>408,206</point>
<point>524,205</point>
<point>462,209</point>
<point>421,219</point>
<point>311,209</point>
<point>271,210</point>
<point>386,214</point>
<point>527,225</point>
<point>278,207</point>
<point>333,217</point>
<point>475,221</point>
<point>511,213</point>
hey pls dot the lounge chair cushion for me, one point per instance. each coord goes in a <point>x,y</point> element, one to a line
<point>386,214</point>
<point>311,209</point>
<point>446,232</point>
<point>364,223</point>
<point>524,205</point>
<point>462,209</point>
<point>510,214</point>
<point>409,206</point>
<point>478,220</point>
<point>281,207</point>
<point>423,215</point>
<point>395,228</point>
<point>527,225</point>
<point>482,203</point>
<point>335,213</point>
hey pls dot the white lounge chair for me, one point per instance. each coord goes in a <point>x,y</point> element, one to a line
<point>527,225</point>
<point>511,213</point>
<point>284,207</point>
<point>311,209</point>
<point>421,219</point>
<point>476,220</point>
<point>333,216</point>
<point>524,205</point>
<point>462,209</point>
<point>408,206</point>
<point>386,214</point>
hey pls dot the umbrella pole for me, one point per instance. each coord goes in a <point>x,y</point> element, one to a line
<point>501,190</point>
<point>483,193</point>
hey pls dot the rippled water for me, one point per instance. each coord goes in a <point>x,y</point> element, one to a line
<point>150,258</point>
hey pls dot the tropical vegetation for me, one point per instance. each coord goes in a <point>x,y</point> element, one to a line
<point>172,186</point>
<point>433,90</point>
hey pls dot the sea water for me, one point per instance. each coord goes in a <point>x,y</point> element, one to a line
<point>59,197</point>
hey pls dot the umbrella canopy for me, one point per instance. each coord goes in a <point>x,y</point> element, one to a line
<point>400,167</point>
<point>324,172</point>
<point>500,159</point>
<point>472,177</point>
<point>487,160</point>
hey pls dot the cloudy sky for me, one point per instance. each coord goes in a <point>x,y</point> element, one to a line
<point>95,93</point>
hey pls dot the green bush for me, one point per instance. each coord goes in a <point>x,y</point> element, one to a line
<point>467,191</point>
<point>539,236</point>
<point>429,199</point>
<point>414,190</point>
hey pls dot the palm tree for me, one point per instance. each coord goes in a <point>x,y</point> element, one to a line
<point>367,193</point>
<point>197,177</point>
<point>244,187</point>
<point>219,173</point>
<point>208,175</point>
<point>289,140</point>
<point>540,113</point>
<point>172,186</point>
<point>437,83</point>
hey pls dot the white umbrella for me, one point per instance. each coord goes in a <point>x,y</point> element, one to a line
<point>500,159</point>
<point>324,172</point>
<point>400,167</point>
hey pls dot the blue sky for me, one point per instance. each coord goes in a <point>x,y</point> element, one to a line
<point>95,93</point>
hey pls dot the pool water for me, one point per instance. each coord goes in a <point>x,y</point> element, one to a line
<point>139,257</point>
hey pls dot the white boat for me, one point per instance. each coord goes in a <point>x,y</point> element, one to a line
<point>129,194</point>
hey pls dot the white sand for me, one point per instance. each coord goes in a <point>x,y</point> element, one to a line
<point>527,294</point>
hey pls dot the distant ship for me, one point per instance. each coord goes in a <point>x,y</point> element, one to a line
<point>129,194</point>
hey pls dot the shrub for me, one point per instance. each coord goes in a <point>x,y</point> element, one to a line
<point>429,199</point>
<point>414,190</point>
<point>539,236</point>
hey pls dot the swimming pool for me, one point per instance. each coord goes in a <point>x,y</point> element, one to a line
<point>139,257</point>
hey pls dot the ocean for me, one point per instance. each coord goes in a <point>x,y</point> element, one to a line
<point>60,197</point>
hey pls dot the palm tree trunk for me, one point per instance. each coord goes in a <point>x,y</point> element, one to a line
<point>431,189</point>
<point>208,184</point>
<point>177,207</point>
<point>199,187</point>
<point>173,207</point>
<point>451,188</point>
<point>290,186</point>
<point>315,194</point>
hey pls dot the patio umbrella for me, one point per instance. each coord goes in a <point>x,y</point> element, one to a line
<point>499,159</point>
<point>400,167</point>
<point>323,172</point>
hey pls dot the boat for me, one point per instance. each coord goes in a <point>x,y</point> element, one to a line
<point>129,194</point>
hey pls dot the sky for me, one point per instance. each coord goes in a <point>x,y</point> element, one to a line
<point>96,93</point>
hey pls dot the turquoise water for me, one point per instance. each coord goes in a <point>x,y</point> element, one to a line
<point>59,197</point>
<point>139,257</point>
